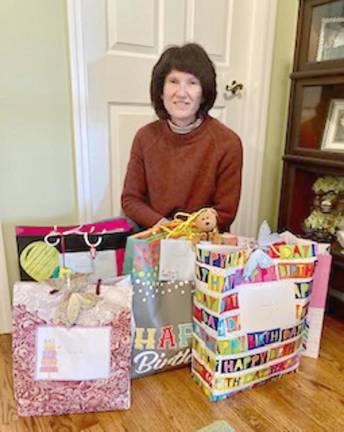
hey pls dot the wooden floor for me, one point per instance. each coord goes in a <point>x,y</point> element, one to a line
<point>311,400</point>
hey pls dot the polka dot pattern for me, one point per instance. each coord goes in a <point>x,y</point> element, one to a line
<point>156,289</point>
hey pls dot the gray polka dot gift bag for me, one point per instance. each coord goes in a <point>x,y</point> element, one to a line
<point>162,303</point>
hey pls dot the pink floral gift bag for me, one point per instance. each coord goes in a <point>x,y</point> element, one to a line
<point>71,346</point>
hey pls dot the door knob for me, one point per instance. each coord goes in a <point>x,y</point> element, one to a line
<point>234,87</point>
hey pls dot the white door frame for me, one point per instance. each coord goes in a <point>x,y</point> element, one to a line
<point>253,128</point>
<point>5,306</point>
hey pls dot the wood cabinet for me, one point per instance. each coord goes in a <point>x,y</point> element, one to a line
<point>315,133</point>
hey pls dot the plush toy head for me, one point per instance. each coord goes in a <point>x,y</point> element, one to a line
<point>206,221</point>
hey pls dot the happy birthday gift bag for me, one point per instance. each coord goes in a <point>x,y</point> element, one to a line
<point>162,314</point>
<point>71,348</point>
<point>249,314</point>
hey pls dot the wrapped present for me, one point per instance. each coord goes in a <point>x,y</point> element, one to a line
<point>97,249</point>
<point>249,312</point>
<point>225,239</point>
<point>71,346</point>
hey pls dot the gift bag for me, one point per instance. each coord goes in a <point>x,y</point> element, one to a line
<point>97,249</point>
<point>316,311</point>
<point>71,347</point>
<point>249,313</point>
<point>162,313</point>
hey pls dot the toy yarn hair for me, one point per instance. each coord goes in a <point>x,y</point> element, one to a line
<point>184,228</point>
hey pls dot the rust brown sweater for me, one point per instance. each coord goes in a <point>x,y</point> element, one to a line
<point>169,172</point>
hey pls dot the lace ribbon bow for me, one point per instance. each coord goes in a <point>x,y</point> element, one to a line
<point>74,298</point>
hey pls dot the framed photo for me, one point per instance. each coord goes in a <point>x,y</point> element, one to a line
<point>333,137</point>
<point>331,39</point>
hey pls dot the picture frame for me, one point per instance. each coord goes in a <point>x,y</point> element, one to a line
<point>333,136</point>
<point>331,39</point>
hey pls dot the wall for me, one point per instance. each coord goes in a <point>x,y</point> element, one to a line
<point>278,110</point>
<point>37,179</point>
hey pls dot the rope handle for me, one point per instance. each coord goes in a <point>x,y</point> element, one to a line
<point>275,250</point>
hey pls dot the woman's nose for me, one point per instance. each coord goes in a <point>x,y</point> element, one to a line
<point>181,90</point>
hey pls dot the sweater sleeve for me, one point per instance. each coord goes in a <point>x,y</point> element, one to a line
<point>228,184</point>
<point>135,190</point>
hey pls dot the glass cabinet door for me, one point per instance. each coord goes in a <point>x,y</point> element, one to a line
<point>317,128</point>
<point>322,37</point>
<point>327,32</point>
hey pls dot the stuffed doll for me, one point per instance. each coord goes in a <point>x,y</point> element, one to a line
<point>205,225</point>
<point>195,226</point>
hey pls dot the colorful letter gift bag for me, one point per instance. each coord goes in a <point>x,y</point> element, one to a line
<point>249,313</point>
<point>71,347</point>
<point>92,248</point>
<point>162,313</point>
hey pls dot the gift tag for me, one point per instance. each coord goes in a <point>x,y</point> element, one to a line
<point>101,265</point>
<point>78,262</point>
<point>267,305</point>
<point>70,354</point>
<point>177,260</point>
<point>105,265</point>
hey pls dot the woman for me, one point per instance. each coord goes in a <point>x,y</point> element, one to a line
<point>186,160</point>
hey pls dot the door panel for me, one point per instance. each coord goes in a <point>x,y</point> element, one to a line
<point>139,31</point>
<point>215,41</point>
<point>125,120</point>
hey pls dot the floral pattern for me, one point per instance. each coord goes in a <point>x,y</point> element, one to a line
<point>65,397</point>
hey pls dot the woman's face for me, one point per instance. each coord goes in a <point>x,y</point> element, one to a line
<point>182,96</point>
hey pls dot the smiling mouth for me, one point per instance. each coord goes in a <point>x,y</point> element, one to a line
<point>180,103</point>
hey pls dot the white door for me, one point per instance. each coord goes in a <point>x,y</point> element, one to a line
<point>114,45</point>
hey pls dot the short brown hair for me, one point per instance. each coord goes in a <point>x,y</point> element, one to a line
<point>190,58</point>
